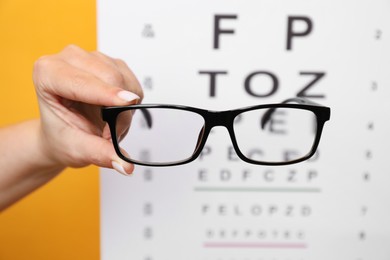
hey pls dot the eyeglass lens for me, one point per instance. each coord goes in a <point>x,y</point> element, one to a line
<point>171,137</point>
<point>173,134</point>
<point>288,135</point>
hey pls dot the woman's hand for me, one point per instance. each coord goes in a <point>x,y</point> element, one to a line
<point>71,87</point>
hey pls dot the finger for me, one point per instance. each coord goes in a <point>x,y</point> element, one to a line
<point>106,134</point>
<point>105,58</point>
<point>91,115</point>
<point>56,77</point>
<point>130,80</point>
<point>94,64</point>
<point>123,123</point>
<point>100,152</point>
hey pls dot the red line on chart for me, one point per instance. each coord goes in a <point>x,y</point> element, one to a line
<point>255,245</point>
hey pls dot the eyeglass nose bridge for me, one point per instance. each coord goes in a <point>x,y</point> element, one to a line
<point>224,119</point>
<point>219,118</point>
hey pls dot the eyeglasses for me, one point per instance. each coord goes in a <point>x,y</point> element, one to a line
<point>167,135</point>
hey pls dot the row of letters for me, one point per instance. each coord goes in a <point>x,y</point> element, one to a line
<point>255,210</point>
<point>257,175</point>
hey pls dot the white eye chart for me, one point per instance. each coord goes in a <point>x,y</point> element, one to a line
<point>221,55</point>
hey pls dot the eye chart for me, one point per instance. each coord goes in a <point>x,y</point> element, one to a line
<point>228,54</point>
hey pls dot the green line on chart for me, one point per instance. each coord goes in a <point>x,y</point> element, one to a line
<point>256,189</point>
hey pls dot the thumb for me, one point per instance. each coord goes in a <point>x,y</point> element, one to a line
<point>101,152</point>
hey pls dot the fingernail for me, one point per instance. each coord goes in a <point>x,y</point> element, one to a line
<point>119,168</point>
<point>127,96</point>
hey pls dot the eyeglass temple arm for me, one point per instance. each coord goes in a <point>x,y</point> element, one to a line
<point>267,115</point>
<point>148,117</point>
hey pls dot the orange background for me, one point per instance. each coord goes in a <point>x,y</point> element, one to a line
<point>60,220</point>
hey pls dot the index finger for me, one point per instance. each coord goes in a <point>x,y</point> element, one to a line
<point>58,78</point>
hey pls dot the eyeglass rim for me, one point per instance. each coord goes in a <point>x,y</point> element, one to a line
<point>322,113</point>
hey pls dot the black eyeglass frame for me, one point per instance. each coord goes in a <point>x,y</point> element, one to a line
<point>220,118</point>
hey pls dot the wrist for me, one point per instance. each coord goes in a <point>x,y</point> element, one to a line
<point>28,166</point>
<point>45,154</point>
